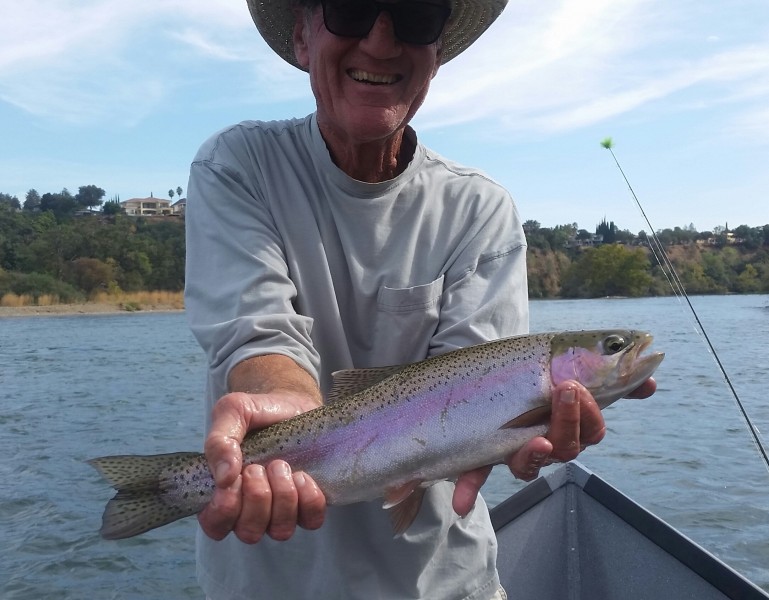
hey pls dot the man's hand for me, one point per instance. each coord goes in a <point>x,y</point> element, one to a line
<point>257,500</point>
<point>576,423</point>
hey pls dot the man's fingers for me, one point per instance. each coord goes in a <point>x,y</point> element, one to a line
<point>577,421</point>
<point>312,502</point>
<point>565,423</point>
<point>285,501</point>
<point>257,505</point>
<point>526,463</point>
<point>646,389</point>
<point>466,490</point>
<point>219,516</point>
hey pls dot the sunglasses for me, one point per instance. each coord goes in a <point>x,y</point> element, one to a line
<point>414,22</point>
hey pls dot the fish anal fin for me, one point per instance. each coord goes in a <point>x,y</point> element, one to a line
<point>404,511</point>
<point>535,416</point>
<point>351,381</point>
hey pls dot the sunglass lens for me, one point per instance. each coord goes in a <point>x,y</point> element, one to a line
<point>419,22</point>
<point>351,18</point>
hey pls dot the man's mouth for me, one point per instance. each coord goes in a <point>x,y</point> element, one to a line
<point>373,78</point>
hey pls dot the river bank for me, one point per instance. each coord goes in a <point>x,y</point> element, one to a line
<point>85,308</point>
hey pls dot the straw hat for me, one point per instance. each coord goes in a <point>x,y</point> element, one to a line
<point>469,19</point>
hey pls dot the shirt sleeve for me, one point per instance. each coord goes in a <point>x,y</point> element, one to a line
<point>485,296</point>
<point>239,298</point>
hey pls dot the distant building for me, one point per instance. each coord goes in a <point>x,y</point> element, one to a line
<point>178,207</point>
<point>145,207</point>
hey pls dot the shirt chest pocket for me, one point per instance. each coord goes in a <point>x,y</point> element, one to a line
<point>407,319</point>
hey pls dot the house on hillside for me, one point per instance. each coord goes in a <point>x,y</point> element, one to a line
<point>178,207</point>
<point>145,207</point>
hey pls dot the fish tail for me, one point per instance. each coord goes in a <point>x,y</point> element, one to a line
<point>140,503</point>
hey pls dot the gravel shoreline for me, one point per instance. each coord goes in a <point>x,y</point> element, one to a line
<point>87,308</point>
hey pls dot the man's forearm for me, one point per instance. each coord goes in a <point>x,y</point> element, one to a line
<point>275,373</point>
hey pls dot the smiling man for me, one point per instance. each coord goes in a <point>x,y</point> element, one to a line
<point>339,241</point>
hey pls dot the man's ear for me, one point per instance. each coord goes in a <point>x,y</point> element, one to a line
<point>300,43</point>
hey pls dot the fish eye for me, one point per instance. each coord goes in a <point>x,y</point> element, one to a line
<point>614,343</point>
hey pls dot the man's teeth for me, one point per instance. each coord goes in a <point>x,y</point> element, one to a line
<point>366,77</point>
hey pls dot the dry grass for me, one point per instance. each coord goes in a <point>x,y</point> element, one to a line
<point>142,300</point>
<point>14,301</point>
<point>128,301</point>
<point>47,300</point>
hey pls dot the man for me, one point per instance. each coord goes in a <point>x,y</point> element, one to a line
<point>339,241</point>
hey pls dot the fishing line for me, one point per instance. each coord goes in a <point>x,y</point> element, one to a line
<point>679,290</point>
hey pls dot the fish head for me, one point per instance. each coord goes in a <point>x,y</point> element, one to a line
<point>609,363</point>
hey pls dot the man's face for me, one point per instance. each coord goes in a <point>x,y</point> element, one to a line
<point>366,88</point>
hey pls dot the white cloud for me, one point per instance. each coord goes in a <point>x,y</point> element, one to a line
<point>558,66</point>
<point>90,61</point>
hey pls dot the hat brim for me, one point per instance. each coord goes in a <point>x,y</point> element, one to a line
<point>469,19</point>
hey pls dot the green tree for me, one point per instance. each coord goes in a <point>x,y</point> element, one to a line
<point>32,200</point>
<point>112,207</point>
<point>89,196</point>
<point>607,230</point>
<point>748,281</point>
<point>90,274</point>
<point>62,205</point>
<point>9,202</point>
<point>609,270</point>
<point>179,192</point>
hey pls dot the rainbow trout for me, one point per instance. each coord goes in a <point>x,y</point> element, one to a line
<point>391,432</point>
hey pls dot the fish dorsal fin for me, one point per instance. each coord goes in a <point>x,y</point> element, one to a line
<point>403,504</point>
<point>352,381</point>
<point>535,416</point>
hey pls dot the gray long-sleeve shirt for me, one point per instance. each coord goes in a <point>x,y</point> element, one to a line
<point>287,254</point>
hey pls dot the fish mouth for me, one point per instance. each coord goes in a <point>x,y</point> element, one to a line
<point>636,364</point>
<point>648,363</point>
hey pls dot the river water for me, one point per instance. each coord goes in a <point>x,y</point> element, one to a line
<point>75,387</point>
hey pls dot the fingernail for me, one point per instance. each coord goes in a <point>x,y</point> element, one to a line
<point>253,471</point>
<point>221,470</point>
<point>299,479</point>
<point>280,469</point>
<point>568,396</point>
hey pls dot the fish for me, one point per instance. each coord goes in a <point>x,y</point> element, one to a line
<point>391,432</point>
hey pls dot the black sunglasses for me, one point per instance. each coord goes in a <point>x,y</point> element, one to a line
<point>414,22</point>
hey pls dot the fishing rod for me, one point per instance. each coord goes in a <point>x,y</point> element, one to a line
<point>658,250</point>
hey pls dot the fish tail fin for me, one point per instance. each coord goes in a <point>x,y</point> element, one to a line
<point>139,504</point>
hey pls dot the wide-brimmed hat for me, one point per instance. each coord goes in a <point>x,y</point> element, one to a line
<point>469,19</point>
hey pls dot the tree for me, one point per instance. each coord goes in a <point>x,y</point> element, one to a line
<point>61,205</point>
<point>171,194</point>
<point>32,201</point>
<point>607,230</point>
<point>111,207</point>
<point>609,270</point>
<point>9,202</point>
<point>89,196</point>
<point>89,274</point>
<point>179,192</point>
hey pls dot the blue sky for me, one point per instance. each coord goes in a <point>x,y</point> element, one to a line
<point>121,94</point>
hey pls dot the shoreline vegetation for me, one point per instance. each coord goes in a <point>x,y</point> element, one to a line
<point>56,257</point>
<point>12,305</point>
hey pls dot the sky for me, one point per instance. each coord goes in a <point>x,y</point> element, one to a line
<point>121,95</point>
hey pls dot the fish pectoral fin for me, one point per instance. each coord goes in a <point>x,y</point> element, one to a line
<point>403,511</point>
<point>395,496</point>
<point>535,416</point>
